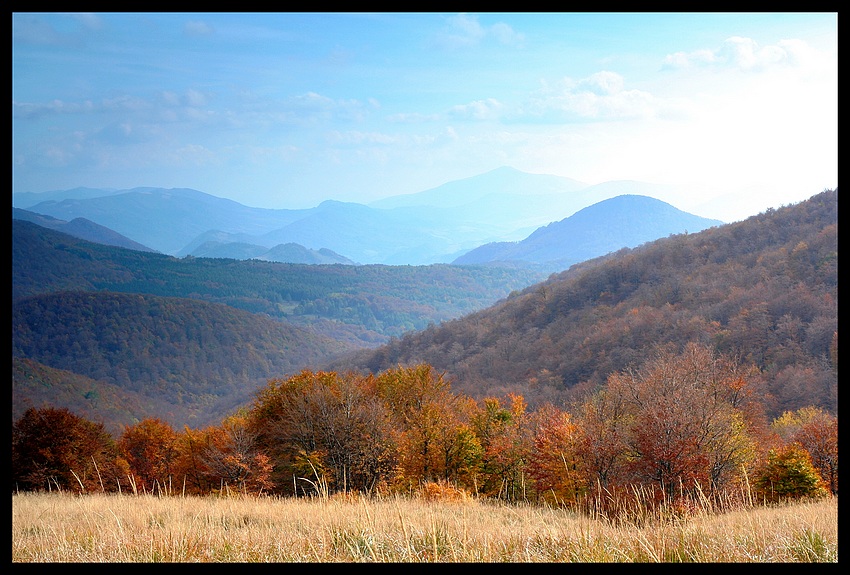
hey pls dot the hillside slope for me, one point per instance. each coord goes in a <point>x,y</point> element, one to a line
<point>37,385</point>
<point>764,289</point>
<point>283,253</point>
<point>191,361</point>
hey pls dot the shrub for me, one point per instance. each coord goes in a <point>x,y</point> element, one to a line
<point>788,474</point>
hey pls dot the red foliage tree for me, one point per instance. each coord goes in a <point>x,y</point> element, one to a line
<point>56,449</point>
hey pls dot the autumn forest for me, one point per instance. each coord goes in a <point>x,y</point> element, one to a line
<point>699,366</point>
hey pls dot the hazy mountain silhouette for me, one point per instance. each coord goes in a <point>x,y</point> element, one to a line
<point>433,226</point>
<point>623,221</point>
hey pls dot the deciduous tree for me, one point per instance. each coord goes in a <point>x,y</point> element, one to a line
<point>427,426</point>
<point>151,449</point>
<point>787,474</point>
<point>554,463</point>
<point>817,432</point>
<point>506,438</point>
<point>53,448</point>
<point>231,457</point>
<point>323,428</point>
<point>686,429</point>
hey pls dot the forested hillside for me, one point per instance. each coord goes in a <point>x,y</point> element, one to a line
<point>764,290</point>
<point>186,361</point>
<point>361,305</point>
<point>35,385</point>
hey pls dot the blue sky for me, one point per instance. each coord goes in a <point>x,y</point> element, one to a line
<point>285,110</point>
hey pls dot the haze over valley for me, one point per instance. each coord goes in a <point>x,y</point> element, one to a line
<point>434,226</point>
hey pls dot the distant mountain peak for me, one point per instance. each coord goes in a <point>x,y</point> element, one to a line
<point>627,221</point>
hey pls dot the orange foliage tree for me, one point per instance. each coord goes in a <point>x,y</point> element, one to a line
<point>151,450</point>
<point>430,437</point>
<point>554,462</point>
<point>326,431</point>
<point>230,457</point>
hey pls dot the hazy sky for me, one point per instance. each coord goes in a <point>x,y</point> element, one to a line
<point>285,110</point>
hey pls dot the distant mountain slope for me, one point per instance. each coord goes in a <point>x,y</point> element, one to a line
<point>298,254</point>
<point>80,228</point>
<point>168,219</point>
<point>284,253</point>
<point>231,250</point>
<point>24,200</point>
<point>764,289</point>
<point>434,226</point>
<point>604,227</point>
<point>362,305</point>
<point>199,359</point>
<point>504,181</point>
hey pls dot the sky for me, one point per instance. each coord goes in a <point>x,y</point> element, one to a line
<point>737,111</point>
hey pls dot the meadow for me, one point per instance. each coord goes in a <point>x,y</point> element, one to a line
<point>122,528</point>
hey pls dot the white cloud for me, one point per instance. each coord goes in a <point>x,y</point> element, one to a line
<point>598,97</point>
<point>464,30</point>
<point>506,35</point>
<point>89,21</point>
<point>601,83</point>
<point>195,99</point>
<point>488,109</point>
<point>354,138</point>
<point>125,103</point>
<point>32,29</point>
<point>743,54</point>
<point>192,154</point>
<point>31,110</point>
<point>412,118</point>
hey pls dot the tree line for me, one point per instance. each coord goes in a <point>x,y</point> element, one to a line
<point>684,423</point>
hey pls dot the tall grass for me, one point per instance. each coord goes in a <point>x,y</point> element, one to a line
<point>63,527</point>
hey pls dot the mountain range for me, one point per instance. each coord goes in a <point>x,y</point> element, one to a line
<point>176,304</point>
<point>434,226</point>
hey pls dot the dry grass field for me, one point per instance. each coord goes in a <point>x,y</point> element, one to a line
<point>62,527</point>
